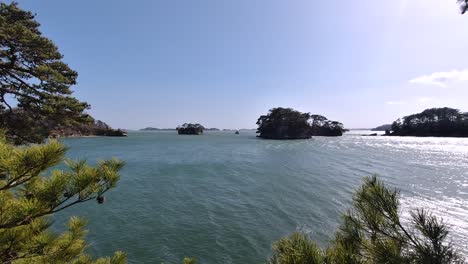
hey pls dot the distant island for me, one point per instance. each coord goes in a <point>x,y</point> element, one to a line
<point>157,129</point>
<point>383,127</point>
<point>433,122</point>
<point>190,129</point>
<point>287,123</point>
<point>204,129</point>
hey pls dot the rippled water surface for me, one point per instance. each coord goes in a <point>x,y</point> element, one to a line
<point>224,198</point>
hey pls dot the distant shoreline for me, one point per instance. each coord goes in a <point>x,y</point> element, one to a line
<point>76,136</point>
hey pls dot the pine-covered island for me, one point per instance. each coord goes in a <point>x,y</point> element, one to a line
<point>287,123</point>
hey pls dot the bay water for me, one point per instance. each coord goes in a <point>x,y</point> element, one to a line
<point>224,198</point>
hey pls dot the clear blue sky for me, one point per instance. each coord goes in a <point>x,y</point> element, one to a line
<point>224,63</point>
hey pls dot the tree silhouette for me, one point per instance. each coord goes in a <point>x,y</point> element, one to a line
<point>438,122</point>
<point>287,123</point>
<point>190,129</point>
<point>284,123</point>
<point>463,6</point>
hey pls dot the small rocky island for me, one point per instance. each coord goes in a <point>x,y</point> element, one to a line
<point>433,122</point>
<point>190,129</point>
<point>287,123</point>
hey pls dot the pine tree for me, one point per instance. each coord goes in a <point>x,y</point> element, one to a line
<point>30,192</point>
<point>35,97</point>
<point>35,94</point>
<point>372,232</point>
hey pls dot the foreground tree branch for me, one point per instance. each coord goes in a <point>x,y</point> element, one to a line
<point>28,194</point>
<point>371,232</point>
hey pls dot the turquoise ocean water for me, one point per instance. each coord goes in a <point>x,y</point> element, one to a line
<point>224,198</point>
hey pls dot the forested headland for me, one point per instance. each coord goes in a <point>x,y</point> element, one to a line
<point>433,122</point>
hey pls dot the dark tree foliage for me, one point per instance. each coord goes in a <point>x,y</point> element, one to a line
<point>372,232</point>
<point>321,126</point>
<point>284,123</point>
<point>287,123</point>
<point>190,129</point>
<point>434,122</point>
<point>34,81</point>
<point>463,5</point>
